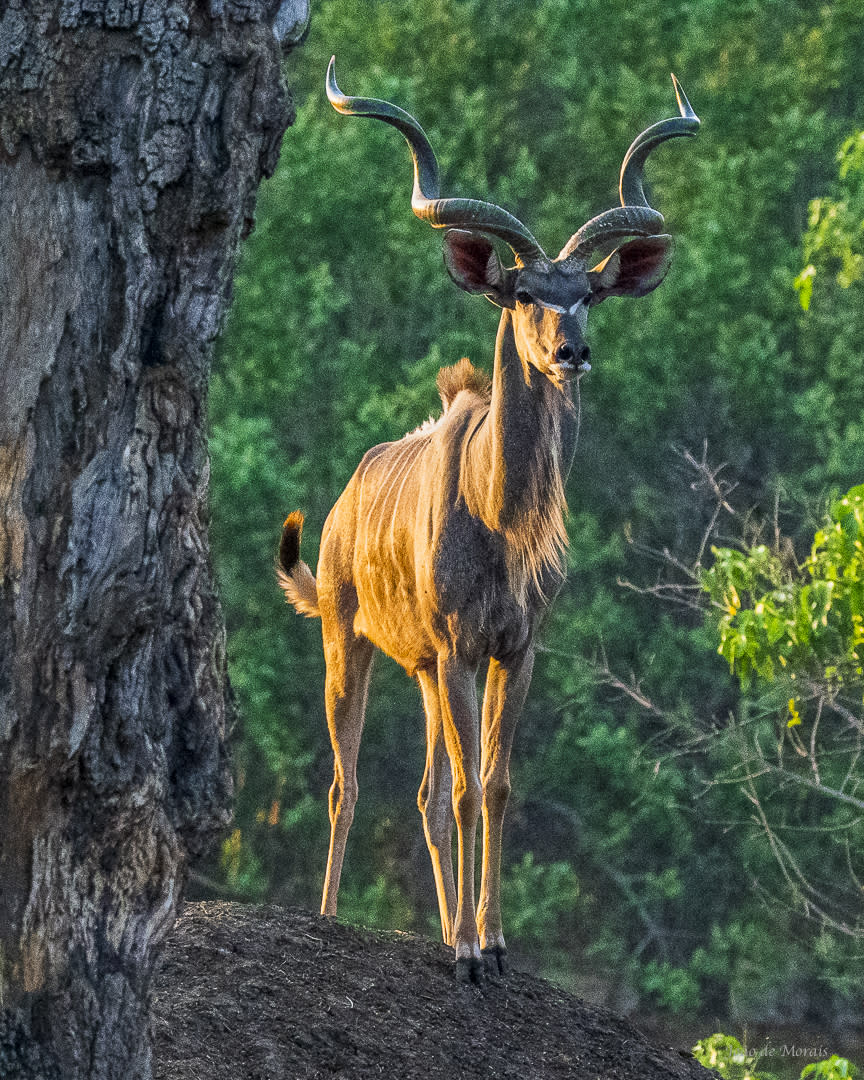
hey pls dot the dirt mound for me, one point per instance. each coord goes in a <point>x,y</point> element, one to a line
<point>270,993</point>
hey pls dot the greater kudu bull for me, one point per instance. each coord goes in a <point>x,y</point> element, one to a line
<point>446,547</point>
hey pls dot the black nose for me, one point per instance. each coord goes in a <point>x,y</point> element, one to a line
<point>567,354</point>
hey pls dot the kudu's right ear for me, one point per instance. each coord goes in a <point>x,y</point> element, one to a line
<point>473,263</point>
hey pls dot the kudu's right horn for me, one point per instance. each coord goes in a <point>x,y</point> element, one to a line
<point>425,200</point>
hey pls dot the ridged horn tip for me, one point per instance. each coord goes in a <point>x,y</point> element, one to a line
<point>334,94</point>
<point>684,106</point>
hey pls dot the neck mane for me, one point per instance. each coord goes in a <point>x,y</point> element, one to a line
<point>517,464</point>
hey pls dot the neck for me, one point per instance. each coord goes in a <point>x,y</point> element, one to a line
<point>521,457</point>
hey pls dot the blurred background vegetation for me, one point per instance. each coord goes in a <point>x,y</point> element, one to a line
<point>642,865</point>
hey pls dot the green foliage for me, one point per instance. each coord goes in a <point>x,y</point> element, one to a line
<point>833,253</point>
<point>241,866</point>
<point>671,988</point>
<point>835,234</point>
<point>343,313</point>
<point>381,904</point>
<point>809,619</point>
<point>794,634</point>
<point>725,1055</point>
<point>537,898</point>
<point>833,1068</point>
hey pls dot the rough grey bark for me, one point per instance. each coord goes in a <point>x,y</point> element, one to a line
<point>133,136</point>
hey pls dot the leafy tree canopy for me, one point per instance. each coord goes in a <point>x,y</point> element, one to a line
<point>636,869</point>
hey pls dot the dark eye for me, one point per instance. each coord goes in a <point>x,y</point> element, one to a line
<point>523,297</point>
<point>564,354</point>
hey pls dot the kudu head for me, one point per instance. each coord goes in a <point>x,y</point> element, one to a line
<point>547,299</point>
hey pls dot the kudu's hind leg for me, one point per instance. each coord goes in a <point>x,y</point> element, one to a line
<point>349,662</point>
<point>458,694</point>
<point>434,802</point>
<point>506,688</point>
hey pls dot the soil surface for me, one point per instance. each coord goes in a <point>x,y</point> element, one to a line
<point>271,993</point>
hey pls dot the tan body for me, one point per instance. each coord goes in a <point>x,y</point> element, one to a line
<point>418,521</point>
<point>421,557</point>
<point>445,549</point>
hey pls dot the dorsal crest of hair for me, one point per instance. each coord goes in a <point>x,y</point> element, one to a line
<point>463,376</point>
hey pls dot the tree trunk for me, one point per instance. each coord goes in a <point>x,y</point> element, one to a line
<point>133,136</point>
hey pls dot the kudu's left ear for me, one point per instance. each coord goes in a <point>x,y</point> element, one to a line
<point>473,263</point>
<point>634,269</point>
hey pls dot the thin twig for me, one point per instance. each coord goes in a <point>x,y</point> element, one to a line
<point>813,762</point>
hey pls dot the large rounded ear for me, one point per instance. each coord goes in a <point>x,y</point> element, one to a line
<point>473,264</point>
<point>634,269</point>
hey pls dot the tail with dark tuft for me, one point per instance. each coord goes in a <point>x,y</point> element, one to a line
<point>295,578</point>
<point>289,545</point>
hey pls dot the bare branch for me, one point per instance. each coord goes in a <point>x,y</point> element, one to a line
<point>813,762</point>
<point>822,789</point>
<point>852,873</point>
<point>837,706</point>
<point>630,687</point>
<point>669,592</point>
<point>708,478</point>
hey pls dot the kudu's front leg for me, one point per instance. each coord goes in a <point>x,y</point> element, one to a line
<point>506,687</point>
<point>434,801</point>
<point>457,687</point>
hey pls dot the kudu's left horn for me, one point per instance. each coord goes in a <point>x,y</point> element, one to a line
<point>635,216</point>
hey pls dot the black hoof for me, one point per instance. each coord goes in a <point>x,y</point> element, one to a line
<point>470,969</point>
<point>496,961</point>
